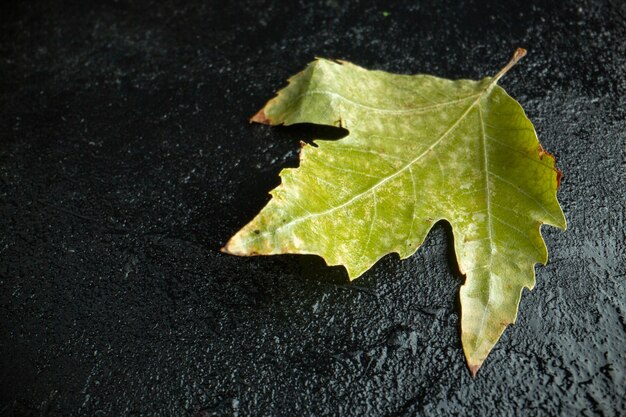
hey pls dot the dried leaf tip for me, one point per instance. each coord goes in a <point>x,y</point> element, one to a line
<point>231,248</point>
<point>517,55</point>
<point>474,369</point>
<point>226,249</point>
<point>260,117</point>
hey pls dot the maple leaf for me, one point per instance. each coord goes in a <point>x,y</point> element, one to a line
<point>419,149</point>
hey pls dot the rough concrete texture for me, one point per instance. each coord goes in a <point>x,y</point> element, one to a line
<point>126,161</point>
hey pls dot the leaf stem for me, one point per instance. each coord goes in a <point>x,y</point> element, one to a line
<point>519,54</point>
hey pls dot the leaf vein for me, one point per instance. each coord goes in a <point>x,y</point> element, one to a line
<point>520,232</point>
<point>421,109</point>
<point>525,155</point>
<point>384,179</point>
<point>521,191</point>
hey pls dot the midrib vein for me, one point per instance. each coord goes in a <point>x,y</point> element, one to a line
<point>478,339</point>
<point>421,109</point>
<point>384,180</point>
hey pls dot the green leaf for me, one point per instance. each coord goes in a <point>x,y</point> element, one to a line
<point>420,149</point>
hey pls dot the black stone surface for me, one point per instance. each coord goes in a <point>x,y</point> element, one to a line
<point>126,161</point>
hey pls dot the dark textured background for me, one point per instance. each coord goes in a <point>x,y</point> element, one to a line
<point>127,161</point>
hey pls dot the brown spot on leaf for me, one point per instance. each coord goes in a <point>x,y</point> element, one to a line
<point>559,175</point>
<point>542,151</point>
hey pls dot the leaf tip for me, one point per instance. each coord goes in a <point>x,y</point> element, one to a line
<point>474,369</point>
<point>227,248</point>
<point>260,117</point>
<point>232,247</point>
<point>473,360</point>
